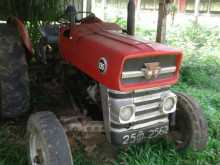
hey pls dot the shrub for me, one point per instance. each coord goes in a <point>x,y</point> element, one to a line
<point>201,65</point>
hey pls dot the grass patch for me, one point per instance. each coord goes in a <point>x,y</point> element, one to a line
<point>12,145</point>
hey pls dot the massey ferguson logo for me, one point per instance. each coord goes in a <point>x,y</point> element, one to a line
<point>151,70</point>
<point>102,65</point>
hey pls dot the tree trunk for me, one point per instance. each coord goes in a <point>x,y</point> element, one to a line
<point>162,20</point>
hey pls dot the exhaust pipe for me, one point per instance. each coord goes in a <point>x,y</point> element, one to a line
<point>131,18</point>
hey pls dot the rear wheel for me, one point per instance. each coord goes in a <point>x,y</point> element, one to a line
<point>14,82</point>
<point>48,143</point>
<point>190,130</point>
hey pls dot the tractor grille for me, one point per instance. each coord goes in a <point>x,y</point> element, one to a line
<point>133,68</point>
<point>147,111</point>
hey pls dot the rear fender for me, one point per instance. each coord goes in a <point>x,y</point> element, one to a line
<point>23,33</point>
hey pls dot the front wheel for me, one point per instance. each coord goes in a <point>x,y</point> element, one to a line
<point>190,130</point>
<point>48,143</point>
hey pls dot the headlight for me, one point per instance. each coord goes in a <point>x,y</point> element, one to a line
<point>169,103</point>
<point>127,113</point>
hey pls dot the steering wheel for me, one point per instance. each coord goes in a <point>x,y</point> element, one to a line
<point>64,20</point>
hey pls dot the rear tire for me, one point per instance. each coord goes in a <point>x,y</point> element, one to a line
<point>14,82</point>
<point>190,130</point>
<point>48,143</point>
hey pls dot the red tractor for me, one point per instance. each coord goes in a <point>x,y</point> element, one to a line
<point>120,85</point>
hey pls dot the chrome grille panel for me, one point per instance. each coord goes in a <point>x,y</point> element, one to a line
<point>147,107</point>
<point>147,112</point>
<point>147,117</point>
<point>150,115</point>
<point>134,74</point>
<point>147,98</point>
<point>135,70</point>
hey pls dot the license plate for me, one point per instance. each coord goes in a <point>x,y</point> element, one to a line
<point>139,136</point>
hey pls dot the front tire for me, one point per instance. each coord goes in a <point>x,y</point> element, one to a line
<point>48,143</point>
<point>190,130</point>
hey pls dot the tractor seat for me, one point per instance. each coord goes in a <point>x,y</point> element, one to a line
<point>50,32</point>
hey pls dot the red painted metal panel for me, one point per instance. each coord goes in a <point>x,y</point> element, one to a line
<point>88,43</point>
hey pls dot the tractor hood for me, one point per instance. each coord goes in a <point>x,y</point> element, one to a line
<point>108,56</point>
